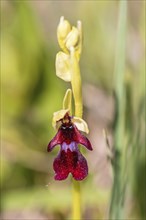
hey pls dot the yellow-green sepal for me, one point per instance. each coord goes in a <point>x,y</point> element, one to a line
<point>63,66</point>
<point>57,116</point>
<point>81,124</point>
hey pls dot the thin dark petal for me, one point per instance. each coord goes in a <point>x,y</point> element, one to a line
<point>81,139</point>
<point>55,141</point>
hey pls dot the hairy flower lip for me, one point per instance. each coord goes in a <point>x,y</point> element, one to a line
<point>70,160</point>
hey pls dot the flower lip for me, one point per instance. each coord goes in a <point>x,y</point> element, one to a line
<point>70,160</point>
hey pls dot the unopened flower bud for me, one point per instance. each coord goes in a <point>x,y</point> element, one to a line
<point>72,38</point>
<point>63,30</point>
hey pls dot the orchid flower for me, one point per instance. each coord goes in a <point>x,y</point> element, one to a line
<point>70,159</point>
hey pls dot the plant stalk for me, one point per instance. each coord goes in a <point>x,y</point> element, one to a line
<point>76,215</point>
<point>77,93</point>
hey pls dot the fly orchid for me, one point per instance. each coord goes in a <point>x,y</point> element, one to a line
<point>70,159</point>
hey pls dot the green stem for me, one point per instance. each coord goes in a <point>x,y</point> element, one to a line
<point>117,196</point>
<point>76,84</point>
<point>76,215</point>
<point>77,93</point>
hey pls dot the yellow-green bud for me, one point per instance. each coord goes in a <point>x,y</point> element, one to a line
<point>63,30</point>
<point>72,38</point>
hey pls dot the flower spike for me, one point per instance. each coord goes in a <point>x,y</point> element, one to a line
<point>69,128</point>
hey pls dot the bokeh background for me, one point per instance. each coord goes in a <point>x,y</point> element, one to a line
<point>31,92</point>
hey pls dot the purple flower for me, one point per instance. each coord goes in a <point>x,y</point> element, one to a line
<point>69,159</point>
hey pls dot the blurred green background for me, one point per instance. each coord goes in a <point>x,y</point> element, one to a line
<point>31,92</point>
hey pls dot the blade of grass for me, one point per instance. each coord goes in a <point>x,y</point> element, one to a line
<point>117,196</point>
